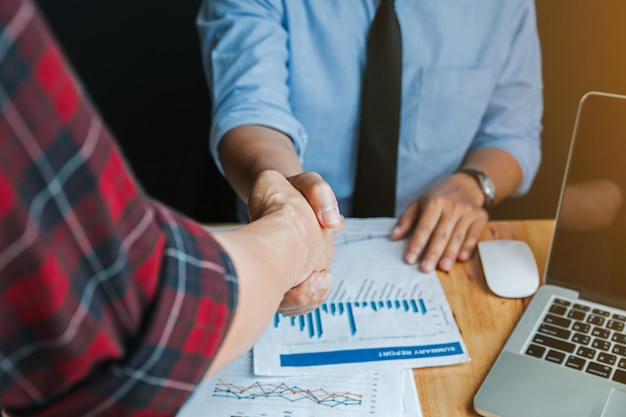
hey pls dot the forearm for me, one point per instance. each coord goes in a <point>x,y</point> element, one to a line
<point>263,279</point>
<point>246,151</point>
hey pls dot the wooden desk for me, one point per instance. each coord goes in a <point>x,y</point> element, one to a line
<point>485,320</point>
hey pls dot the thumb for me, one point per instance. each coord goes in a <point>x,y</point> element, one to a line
<point>321,198</point>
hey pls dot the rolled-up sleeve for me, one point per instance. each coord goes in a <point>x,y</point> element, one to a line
<point>245,52</point>
<point>512,121</point>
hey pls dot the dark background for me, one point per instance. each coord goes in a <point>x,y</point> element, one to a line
<point>140,62</point>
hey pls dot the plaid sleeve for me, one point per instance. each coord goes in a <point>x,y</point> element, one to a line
<point>110,304</point>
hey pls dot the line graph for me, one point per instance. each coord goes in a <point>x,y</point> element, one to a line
<point>293,393</point>
<point>237,391</point>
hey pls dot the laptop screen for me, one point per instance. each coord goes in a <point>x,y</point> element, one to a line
<point>588,251</point>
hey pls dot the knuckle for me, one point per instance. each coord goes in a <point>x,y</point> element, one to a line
<point>470,242</point>
<point>320,188</point>
<point>296,297</point>
<point>438,200</point>
<point>441,234</point>
<point>424,227</point>
<point>457,238</point>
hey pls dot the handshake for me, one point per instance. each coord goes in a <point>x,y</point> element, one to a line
<point>282,256</point>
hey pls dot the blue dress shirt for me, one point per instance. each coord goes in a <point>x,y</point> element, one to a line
<point>471,79</point>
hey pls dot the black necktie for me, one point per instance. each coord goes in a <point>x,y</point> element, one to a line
<point>375,186</point>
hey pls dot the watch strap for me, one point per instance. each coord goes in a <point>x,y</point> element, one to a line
<point>484,183</point>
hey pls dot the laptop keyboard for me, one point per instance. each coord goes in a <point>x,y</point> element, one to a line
<point>584,338</point>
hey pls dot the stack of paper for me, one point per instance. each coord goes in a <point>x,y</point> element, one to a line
<point>354,354</point>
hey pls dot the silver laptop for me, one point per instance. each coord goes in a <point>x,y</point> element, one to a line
<point>567,355</point>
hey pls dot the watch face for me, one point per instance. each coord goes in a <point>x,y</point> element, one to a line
<point>490,190</point>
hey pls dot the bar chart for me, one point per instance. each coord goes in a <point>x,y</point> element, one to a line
<point>313,323</point>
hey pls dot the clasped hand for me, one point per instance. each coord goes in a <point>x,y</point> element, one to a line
<point>273,195</point>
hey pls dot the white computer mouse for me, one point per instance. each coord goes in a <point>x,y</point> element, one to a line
<point>510,268</point>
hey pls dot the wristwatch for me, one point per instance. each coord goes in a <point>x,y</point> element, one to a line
<point>485,184</point>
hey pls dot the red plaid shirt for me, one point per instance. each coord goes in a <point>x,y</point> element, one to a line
<point>110,304</point>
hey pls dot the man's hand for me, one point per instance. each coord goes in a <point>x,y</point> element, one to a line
<point>321,198</point>
<point>446,221</point>
<point>282,258</point>
<point>307,296</point>
<point>312,292</point>
<point>273,195</point>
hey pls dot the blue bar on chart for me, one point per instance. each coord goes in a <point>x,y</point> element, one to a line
<point>311,323</point>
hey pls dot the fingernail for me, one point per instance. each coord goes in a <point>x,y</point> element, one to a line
<point>321,281</point>
<point>331,216</point>
<point>427,266</point>
<point>464,255</point>
<point>395,231</point>
<point>446,264</point>
<point>411,258</point>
